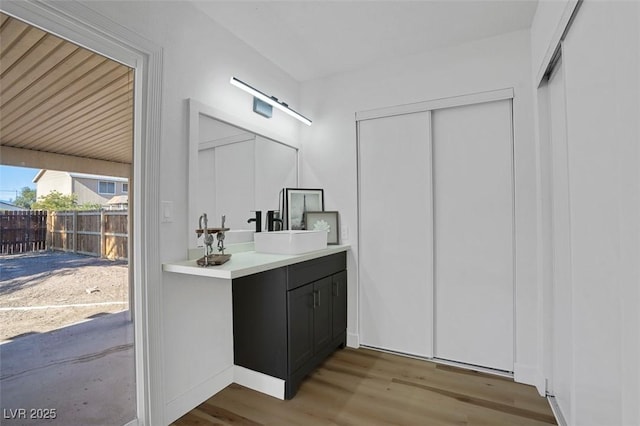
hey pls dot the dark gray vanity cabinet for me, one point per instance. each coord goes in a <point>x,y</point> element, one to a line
<point>287,320</point>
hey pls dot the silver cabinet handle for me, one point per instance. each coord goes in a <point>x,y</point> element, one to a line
<point>316,298</point>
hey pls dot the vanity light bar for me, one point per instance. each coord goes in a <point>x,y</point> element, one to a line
<point>270,100</point>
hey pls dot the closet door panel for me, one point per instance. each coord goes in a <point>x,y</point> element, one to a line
<point>473,208</point>
<point>561,244</point>
<point>395,249</point>
<point>601,61</point>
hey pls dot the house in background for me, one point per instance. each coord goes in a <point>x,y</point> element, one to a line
<point>109,191</point>
<point>118,202</point>
<point>7,206</point>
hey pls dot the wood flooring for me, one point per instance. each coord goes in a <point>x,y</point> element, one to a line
<point>365,387</point>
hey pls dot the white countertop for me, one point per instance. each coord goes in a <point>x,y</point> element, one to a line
<point>248,262</point>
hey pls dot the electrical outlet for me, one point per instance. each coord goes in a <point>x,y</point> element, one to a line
<point>344,233</point>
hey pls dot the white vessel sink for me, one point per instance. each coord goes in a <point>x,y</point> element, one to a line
<point>289,242</point>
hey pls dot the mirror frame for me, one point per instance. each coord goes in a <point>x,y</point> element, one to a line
<point>195,110</point>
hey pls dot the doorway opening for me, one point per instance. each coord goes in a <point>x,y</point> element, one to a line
<point>68,112</point>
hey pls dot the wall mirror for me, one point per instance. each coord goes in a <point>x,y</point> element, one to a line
<point>233,171</point>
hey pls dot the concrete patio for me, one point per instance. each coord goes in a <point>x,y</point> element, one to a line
<point>83,374</point>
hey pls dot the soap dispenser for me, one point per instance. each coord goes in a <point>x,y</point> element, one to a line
<point>274,223</point>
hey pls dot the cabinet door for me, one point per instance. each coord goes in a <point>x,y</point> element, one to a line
<point>339,303</point>
<point>300,309</point>
<point>322,318</point>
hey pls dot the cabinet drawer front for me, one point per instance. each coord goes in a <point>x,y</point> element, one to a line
<point>315,269</point>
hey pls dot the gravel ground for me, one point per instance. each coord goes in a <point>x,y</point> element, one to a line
<point>43,291</point>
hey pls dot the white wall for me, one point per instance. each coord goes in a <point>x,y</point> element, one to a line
<point>329,148</point>
<point>601,58</point>
<point>199,57</point>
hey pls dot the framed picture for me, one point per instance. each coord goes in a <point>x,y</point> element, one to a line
<point>324,221</point>
<point>297,201</point>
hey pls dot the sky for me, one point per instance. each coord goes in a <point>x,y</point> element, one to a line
<point>13,179</point>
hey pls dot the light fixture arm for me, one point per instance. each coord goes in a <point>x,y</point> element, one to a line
<point>271,100</point>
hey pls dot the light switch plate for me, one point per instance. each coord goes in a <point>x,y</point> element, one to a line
<point>166,211</point>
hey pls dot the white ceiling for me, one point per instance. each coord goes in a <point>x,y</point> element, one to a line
<point>310,39</point>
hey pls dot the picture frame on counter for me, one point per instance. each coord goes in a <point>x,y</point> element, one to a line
<point>298,201</point>
<point>328,221</point>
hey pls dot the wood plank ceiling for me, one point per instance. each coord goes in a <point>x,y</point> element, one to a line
<point>61,98</point>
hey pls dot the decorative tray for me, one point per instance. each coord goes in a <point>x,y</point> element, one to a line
<point>213,259</point>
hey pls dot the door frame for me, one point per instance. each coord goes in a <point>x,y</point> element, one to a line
<point>81,25</point>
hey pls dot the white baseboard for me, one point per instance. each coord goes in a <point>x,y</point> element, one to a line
<point>557,412</point>
<point>259,382</point>
<point>527,374</point>
<point>353,340</point>
<point>186,402</point>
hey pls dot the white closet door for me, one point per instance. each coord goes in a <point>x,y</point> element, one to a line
<point>473,208</point>
<point>395,250</point>
<point>560,383</point>
<point>601,61</point>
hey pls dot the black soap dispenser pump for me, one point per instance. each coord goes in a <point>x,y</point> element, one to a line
<point>274,223</point>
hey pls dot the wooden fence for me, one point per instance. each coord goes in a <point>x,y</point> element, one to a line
<point>22,231</point>
<point>96,233</point>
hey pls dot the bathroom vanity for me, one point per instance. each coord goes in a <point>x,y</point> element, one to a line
<point>289,312</point>
<point>289,319</point>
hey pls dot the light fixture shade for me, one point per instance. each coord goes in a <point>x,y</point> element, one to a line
<point>270,100</point>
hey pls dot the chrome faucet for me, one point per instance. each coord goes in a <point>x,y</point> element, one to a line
<point>257,220</point>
